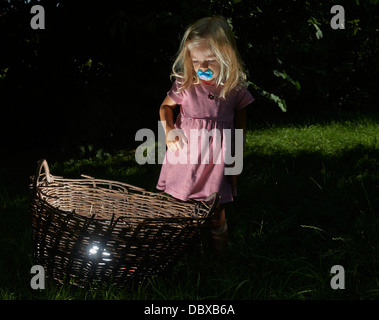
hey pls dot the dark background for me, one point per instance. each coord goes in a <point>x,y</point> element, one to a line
<point>99,71</point>
<point>77,92</point>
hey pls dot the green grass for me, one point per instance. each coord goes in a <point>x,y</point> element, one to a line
<point>307,201</point>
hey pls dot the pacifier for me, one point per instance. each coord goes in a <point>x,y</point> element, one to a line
<point>205,75</point>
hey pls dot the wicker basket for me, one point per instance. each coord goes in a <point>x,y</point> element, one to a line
<point>93,232</point>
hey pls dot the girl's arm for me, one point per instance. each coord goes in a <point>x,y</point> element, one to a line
<point>166,113</point>
<point>174,138</point>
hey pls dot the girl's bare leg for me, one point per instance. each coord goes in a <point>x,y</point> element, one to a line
<point>219,229</point>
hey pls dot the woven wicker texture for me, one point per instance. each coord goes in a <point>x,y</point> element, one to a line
<point>93,232</point>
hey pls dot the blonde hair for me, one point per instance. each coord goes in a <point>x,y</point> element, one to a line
<point>217,32</point>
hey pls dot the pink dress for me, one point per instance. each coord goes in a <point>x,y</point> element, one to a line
<point>187,174</point>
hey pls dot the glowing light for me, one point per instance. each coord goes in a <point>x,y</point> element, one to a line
<point>94,249</point>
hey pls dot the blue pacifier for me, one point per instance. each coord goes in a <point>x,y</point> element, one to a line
<point>205,75</point>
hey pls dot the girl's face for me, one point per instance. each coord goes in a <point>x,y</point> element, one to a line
<point>203,59</point>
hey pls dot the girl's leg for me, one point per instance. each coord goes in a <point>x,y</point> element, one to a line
<point>219,228</point>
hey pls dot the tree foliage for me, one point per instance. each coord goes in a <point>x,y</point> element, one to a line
<point>100,70</point>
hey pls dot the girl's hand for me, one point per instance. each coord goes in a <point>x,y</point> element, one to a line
<point>176,139</point>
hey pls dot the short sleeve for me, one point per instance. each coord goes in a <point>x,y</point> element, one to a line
<point>244,98</point>
<point>174,94</point>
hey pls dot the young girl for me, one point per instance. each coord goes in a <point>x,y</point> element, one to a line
<point>210,90</point>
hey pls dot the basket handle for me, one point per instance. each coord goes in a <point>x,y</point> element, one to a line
<point>42,164</point>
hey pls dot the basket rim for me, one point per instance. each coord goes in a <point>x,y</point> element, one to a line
<point>52,181</point>
<point>145,219</point>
